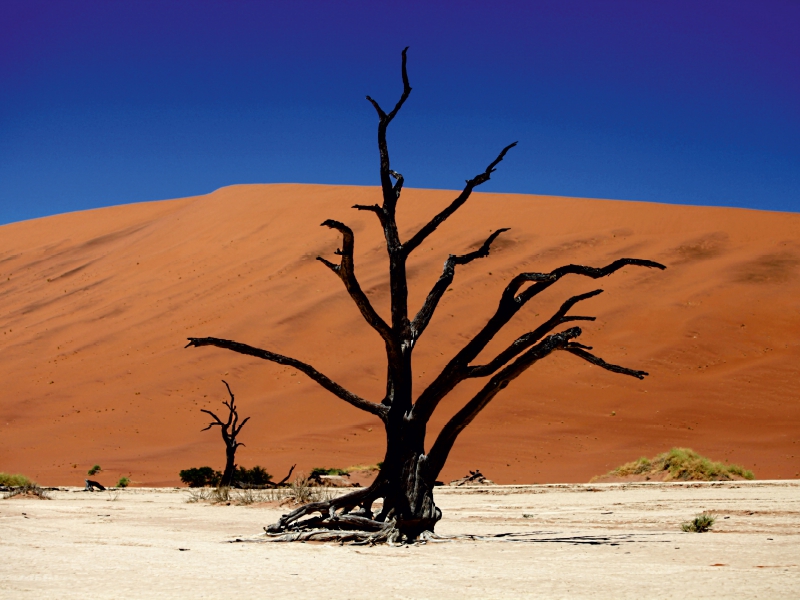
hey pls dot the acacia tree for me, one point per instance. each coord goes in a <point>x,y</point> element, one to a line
<point>229,429</point>
<point>407,476</point>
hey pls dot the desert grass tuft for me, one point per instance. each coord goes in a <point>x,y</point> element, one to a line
<point>700,524</point>
<point>299,492</point>
<point>326,471</point>
<point>17,480</point>
<point>681,464</point>
<point>199,494</point>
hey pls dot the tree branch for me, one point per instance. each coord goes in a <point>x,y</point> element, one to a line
<point>346,272</point>
<point>425,313</point>
<point>431,226</point>
<point>580,350</point>
<point>510,303</point>
<point>390,194</point>
<point>529,339</point>
<point>397,268</point>
<point>447,437</point>
<point>398,185</point>
<point>371,208</point>
<point>285,479</point>
<point>333,387</point>
<point>217,420</point>
<point>558,341</point>
<point>591,272</point>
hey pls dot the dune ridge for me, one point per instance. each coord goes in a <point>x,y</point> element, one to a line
<point>97,306</point>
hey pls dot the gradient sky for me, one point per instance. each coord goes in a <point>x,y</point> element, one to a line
<point>110,102</point>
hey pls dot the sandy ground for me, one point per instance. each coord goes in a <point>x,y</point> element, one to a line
<point>95,309</point>
<point>603,540</point>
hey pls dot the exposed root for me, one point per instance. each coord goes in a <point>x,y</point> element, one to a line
<point>333,514</point>
<point>350,518</point>
<point>388,534</point>
<point>391,536</point>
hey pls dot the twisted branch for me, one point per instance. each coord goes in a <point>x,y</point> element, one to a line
<point>389,193</point>
<point>529,339</point>
<point>510,303</point>
<point>346,272</point>
<point>431,226</point>
<point>330,385</point>
<point>233,419</point>
<point>425,313</point>
<point>447,437</point>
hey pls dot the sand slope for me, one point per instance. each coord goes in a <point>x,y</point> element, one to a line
<point>95,308</point>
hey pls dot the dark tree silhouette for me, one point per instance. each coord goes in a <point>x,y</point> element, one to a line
<point>229,429</point>
<point>407,477</point>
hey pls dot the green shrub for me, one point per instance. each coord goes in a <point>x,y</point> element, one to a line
<point>94,470</point>
<point>200,477</point>
<point>123,482</point>
<point>700,524</point>
<point>317,471</point>
<point>686,464</point>
<point>682,464</point>
<point>14,480</point>
<point>250,477</point>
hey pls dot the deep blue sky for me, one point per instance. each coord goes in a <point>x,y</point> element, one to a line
<point>105,102</point>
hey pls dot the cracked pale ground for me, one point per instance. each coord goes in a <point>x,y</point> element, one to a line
<point>611,540</point>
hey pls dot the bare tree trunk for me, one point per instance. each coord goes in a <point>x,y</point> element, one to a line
<point>408,488</point>
<point>230,466</point>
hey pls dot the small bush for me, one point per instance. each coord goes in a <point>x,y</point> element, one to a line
<point>123,482</point>
<point>14,480</point>
<point>245,496</point>
<point>197,495</point>
<point>700,524</point>
<point>251,477</point>
<point>248,496</point>
<point>220,494</point>
<point>317,471</point>
<point>94,470</point>
<point>682,464</point>
<point>356,468</point>
<point>200,477</point>
<point>303,492</point>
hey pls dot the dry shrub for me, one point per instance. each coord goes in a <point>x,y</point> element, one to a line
<point>197,495</point>
<point>700,524</point>
<point>682,464</point>
<point>301,491</point>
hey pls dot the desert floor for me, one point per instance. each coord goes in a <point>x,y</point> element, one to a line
<point>607,540</point>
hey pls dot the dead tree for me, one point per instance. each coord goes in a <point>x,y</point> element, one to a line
<point>406,480</point>
<point>230,429</point>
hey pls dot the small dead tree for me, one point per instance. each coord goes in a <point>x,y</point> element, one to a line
<point>229,429</point>
<point>407,477</point>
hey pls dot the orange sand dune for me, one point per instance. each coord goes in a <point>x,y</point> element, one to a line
<point>97,306</point>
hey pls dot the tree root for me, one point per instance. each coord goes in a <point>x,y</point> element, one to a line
<point>329,518</point>
<point>389,534</point>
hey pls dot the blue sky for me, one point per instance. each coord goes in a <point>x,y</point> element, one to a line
<point>111,102</point>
